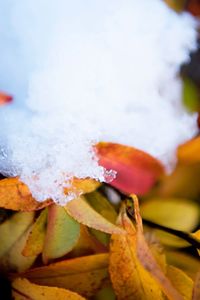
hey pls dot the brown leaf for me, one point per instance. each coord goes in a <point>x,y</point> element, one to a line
<point>137,171</point>
<point>82,212</point>
<point>84,275</point>
<point>22,289</point>
<point>15,195</point>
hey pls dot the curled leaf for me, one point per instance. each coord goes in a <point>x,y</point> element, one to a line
<point>129,278</point>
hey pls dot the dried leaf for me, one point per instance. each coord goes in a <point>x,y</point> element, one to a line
<point>22,289</point>
<point>82,212</point>
<point>5,98</point>
<point>181,281</point>
<point>84,275</point>
<point>148,261</point>
<point>62,233</point>
<point>15,195</point>
<point>137,171</point>
<point>129,278</point>
<point>35,241</point>
<point>180,214</point>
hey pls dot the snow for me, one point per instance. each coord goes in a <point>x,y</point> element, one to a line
<point>89,71</point>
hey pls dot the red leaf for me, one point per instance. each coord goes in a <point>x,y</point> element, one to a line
<point>137,171</point>
<point>5,98</point>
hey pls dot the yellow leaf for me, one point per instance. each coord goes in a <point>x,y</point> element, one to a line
<point>180,214</point>
<point>181,281</point>
<point>35,241</point>
<point>129,278</point>
<point>15,195</point>
<point>82,212</point>
<point>183,261</point>
<point>13,260</point>
<point>12,229</point>
<point>84,275</point>
<point>23,289</point>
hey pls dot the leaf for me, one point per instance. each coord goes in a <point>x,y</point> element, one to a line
<point>181,281</point>
<point>5,98</point>
<point>14,261</point>
<point>83,186</point>
<point>129,278</point>
<point>23,289</point>
<point>35,241</point>
<point>17,224</point>
<point>148,261</point>
<point>105,209</point>
<point>183,261</point>
<point>62,233</point>
<point>196,235</point>
<point>84,275</point>
<point>180,214</point>
<point>137,171</point>
<point>196,289</point>
<point>82,212</point>
<point>189,152</point>
<point>14,232</point>
<point>87,244</point>
<point>15,195</point>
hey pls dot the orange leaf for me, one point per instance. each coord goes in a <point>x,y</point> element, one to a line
<point>15,195</point>
<point>84,275</point>
<point>148,261</point>
<point>5,98</point>
<point>189,152</point>
<point>22,289</point>
<point>129,278</point>
<point>82,212</point>
<point>196,289</point>
<point>137,171</point>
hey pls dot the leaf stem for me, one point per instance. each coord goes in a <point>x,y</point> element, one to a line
<point>181,234</point>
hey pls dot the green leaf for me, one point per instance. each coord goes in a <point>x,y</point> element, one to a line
<point>35,241</point>
<point>62,233</point>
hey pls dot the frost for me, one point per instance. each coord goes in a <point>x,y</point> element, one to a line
<point>87,71</point>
